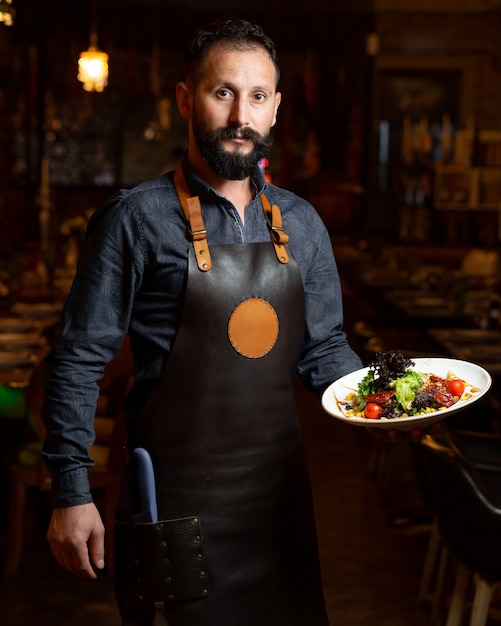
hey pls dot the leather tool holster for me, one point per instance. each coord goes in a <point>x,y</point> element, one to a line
<point>159,562</point>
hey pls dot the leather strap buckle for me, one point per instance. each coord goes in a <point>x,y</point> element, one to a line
<point>195,233</point>
<point>278,237</point>
<point>195,224</point>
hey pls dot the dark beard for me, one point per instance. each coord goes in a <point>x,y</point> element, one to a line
<point>231,165</point>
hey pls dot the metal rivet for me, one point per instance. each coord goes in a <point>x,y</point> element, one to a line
<point>166,561</point>
<point>205,592</point>
<point>163,543</point>
<point>170,596</point>
<point>168,579</point>
<point>200,556</point>
<point>202,573</point>
<point>194,520</point>
<point>202,251</point>
<point>141,598</point>
<point>282,258</point>
<point>197,539</point>
<point>160,525</point>
<point>205,266</point>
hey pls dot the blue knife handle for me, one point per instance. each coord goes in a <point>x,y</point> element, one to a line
<point>146,486</point>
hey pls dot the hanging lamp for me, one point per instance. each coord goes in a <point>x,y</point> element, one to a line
<point>93,64</point>
<point>7,12</point>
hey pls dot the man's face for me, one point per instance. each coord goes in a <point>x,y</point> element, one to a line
<point>233,108</point>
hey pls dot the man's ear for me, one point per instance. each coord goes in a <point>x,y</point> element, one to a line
<point>183,99</point>
<point>278,99</point>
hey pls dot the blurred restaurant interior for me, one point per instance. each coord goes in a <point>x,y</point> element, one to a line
<point>390,124</point>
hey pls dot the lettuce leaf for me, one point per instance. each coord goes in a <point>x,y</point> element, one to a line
<point>365,387</point>
<point>406,388</point>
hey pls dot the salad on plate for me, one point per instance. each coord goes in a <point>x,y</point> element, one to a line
<point>396,392</point>
<point>391,389</point>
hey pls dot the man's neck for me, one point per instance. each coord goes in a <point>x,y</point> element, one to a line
<point>238,192</point>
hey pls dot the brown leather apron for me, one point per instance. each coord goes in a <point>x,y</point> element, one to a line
<point>227,450</point>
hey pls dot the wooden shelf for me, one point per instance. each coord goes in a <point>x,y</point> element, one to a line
<point>459,187</point>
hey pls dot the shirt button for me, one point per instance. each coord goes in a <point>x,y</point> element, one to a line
<point>236,224</point>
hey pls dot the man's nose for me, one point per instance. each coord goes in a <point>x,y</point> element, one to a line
<point>240,112</point>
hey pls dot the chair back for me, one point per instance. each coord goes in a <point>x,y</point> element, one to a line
<point>483,449</point>
<point>466,506</point>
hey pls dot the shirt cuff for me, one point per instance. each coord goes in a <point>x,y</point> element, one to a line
<point>71,488</point>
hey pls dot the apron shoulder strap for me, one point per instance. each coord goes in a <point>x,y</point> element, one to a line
<point>196,228</point>
<point>278,236</point>
<point>193,213</point>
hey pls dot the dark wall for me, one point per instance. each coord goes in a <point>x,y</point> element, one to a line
<point>96,143</point>
<point>325,130</point>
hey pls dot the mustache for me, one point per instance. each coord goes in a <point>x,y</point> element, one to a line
<point>237,132</point>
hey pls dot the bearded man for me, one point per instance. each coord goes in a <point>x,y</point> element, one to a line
<point>226,287</point>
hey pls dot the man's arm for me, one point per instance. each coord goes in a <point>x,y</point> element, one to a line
<point>94,322</point>
<point>326,354</point>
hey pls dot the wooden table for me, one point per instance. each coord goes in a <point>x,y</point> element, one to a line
<point>429,308</point>
<point>477,345</point>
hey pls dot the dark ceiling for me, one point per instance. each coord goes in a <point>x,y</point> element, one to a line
<point>123,23</point>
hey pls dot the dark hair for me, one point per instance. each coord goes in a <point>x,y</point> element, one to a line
<point>236,33</point>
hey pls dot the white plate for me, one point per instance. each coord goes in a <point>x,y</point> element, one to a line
<point>334,397</point>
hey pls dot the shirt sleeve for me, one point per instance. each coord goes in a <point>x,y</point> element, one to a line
<point>326,354</point>
<point>92,328</point>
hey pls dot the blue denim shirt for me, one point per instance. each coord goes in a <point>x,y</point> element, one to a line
<point>130,279</point>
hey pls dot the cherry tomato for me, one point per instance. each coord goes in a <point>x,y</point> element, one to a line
<point>456,387</point>
<point>373,411</point>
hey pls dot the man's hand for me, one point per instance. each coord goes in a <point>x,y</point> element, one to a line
<point>74,533</point>
<point>414,436</point>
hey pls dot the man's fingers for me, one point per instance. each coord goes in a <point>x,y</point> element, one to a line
<point>96,549</point>
<point>75,558</point>
<point>394,436</point>
<point>81,563</point>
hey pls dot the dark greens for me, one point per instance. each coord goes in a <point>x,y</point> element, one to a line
<point>390,370</point>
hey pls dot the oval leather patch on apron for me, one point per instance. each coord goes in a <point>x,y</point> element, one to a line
<point>253,328</point>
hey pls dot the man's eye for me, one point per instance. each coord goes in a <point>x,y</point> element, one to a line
<point>224,93</point>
